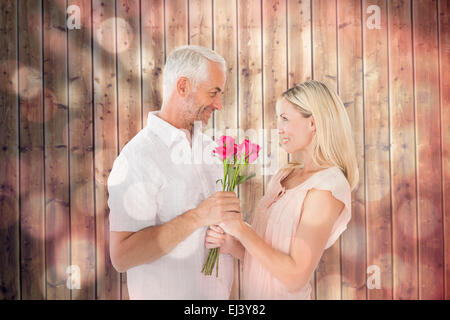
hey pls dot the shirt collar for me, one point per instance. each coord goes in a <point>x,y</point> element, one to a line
<point>164,130</point>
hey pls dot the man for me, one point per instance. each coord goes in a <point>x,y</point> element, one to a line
<point>160,206</point>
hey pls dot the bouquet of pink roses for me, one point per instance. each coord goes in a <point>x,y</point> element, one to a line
<point>236,158</point>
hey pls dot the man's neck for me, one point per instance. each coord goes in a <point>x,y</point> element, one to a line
<point>174,119</point>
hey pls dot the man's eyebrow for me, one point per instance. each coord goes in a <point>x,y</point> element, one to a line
<point>218,89</point>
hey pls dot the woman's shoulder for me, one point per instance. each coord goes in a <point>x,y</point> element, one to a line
<point>332,179</point>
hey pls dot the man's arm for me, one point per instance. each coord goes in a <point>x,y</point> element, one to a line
<point>130,249</point>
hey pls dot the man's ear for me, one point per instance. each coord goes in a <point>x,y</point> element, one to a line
<point>183,86</point>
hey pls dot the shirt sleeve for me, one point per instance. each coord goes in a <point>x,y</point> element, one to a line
<point>134,195</point>
<point>339,187</point>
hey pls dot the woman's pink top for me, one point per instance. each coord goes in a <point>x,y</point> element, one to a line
<point>276,219</point>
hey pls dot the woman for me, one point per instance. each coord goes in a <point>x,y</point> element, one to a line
<point>307,205</point>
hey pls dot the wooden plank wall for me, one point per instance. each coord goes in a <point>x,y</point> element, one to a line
<point>71,99</point>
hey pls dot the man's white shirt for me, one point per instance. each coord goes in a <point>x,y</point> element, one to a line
<point>156,177</point>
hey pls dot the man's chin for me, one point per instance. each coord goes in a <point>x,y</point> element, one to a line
<point>205,119</point>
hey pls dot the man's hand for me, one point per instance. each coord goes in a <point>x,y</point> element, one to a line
<point>221,206</point>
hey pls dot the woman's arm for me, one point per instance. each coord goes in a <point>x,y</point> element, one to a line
<point>320,211</point>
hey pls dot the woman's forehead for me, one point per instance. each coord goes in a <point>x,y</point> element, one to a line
<point>284,106</point>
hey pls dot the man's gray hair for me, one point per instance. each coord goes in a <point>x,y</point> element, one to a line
<point>191,62</point>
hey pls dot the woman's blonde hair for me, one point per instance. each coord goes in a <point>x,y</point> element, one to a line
<point>333,142</point>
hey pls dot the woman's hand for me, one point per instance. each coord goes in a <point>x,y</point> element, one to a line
<point>234,225</point>
<point>216,237</point>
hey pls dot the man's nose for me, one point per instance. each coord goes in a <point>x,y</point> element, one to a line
<point>218,104</point>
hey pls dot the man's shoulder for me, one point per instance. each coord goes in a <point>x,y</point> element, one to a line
<point>142,149</point>
<point>144,140</point>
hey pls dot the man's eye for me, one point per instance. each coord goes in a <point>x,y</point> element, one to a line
<point>213,94</point>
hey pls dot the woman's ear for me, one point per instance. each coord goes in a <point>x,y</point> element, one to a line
<point>183,86</point>
<point>312,124</point>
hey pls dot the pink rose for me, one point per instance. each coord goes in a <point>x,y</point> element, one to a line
<point>226,148</point>
<point>249,150</point>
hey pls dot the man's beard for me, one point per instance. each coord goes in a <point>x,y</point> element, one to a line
<point>199,114</point>
<point>202,114</point>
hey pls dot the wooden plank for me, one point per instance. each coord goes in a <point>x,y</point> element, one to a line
<point>299,41</point>
<point>299,34</point>
<point>353,246</point>
<point>328,278</point>
<point>129,90</point>
<point>376,104</point>
<point>250,112</point>
<point>57,228</point>
<point>444,61</point>
<point>32,215</point>
<point>9,155</point>
<point>200,23</point>
<point>428,152</point>
<point>105,137</point>
<point>82,206</point>
<point>176,28</point>
<point>152,19</point>
<point>201,33</point>
<point>129,83</point>
<point>225,121</point>
<point>401,101</point>
<point>274,80</point>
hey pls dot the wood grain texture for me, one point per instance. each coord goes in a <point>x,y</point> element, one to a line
<point>9,155</point>
<point>176,24</point>
<point>403,183</point>
<point>353,245</point>
<point>376,105</point>
<point>32,192</point>
<point>106,140</point>
<point>444,63</point>
<point>57,218</point>
<point>428,150</point>
<point>82,205</point>
<point>152,41</point>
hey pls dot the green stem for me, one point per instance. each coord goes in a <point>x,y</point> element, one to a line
<point>217,263</point>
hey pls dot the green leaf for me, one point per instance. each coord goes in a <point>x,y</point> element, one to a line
<point>245,178</point>
<point>240,180</point>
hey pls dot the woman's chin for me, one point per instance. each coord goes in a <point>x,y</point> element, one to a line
<point>286,148</point>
